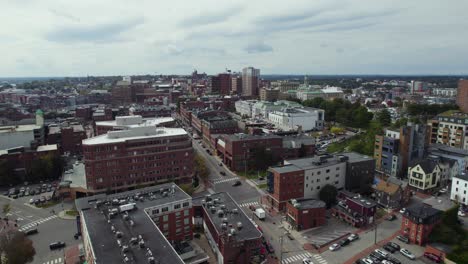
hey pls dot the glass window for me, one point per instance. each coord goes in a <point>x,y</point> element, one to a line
<point>186,221</point>
<point>165,218</point>
<point>186,212</point>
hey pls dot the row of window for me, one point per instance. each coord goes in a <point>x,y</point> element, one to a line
<point>166,209</point>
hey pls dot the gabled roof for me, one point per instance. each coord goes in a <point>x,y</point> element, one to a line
<point>426,165</point>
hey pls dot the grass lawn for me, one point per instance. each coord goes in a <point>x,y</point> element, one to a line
<point>262,186</point>
<point>380,213</point>
<point>71,212</point>
<point>48,204</point>
<point>252,175</point>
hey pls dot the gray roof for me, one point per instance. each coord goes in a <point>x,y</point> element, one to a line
<point>241,137</point>
<point>462,176</point>
<point>427,165</point>
<point>319,161</point>
<point>421,211</point>
<point>248,230</point>
<point>103,239</point>
<point>285,169</point>
<point>356,157</point>
<point>308,203</point>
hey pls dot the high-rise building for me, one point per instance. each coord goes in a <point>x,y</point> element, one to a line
<point>221,84</point>
<point>418,87</point>
<point>236,85</point>
<point>462,95</point>
<point>451,129</point>
<point>250,81</point>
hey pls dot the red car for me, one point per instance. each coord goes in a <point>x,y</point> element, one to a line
<point>433,257</point>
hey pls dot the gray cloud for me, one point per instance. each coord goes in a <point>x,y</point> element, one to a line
<point>64,15</point>
<point>93,33</point>
<point>174,50</point>
<point>345,27</point>
<point>259,47</point>
<point>211,18</point>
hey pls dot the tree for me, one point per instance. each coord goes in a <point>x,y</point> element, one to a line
<point>337,130</point>
<point>188,188</point>
<point>384,117</point>
<point>328,194</point>
<point>16,247</point>
<point>200,167</point>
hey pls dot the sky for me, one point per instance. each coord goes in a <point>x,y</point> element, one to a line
<point>130,37</point>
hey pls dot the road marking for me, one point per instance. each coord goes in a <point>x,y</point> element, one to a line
<point>225,180</point>
<point>247,204</point>
<point>299,257</point>
<point>56,261</point>
<point>37,222</point>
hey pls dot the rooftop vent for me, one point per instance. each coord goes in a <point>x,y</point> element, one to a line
<point>235,211</point>
<point>224,226</point>
<point>233,231</point>
<point>220,213</point>
<point>151,260</point>
<point>125,248</point>
<point>225,220</point>
<point>133,240</point>
<point>239,225</point>
<point>213,209</point>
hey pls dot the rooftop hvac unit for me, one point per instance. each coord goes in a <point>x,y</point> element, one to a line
<point>125,248</point>
<point>223,207</point>
<point>133,240</point>
<point>118,234</point>
<point>151,260</point>
<point>132,223</point>
<point>239,225</point>
<point>235,211</point>
<point>141,244</point>
<point>224,226</point>
<point>213,209</point>
<point>233,231</point>
<point>164,194</point>
<point>220,213</point>
<point>225,220</point>
<point>148,252</point>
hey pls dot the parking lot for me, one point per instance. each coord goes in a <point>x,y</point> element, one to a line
<point>333,230</point>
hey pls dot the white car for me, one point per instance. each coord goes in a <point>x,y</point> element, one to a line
<point>31,201</point>
<point>353,237</point>
<point>307,261</point>
<point>334,247</point>
<point>407,253</point>
<point>460,213</point>
<point>403,210</point>
<point>367,261</point>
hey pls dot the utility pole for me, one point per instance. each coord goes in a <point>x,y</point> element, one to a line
<point>281,249</point>
<point>375,233</point>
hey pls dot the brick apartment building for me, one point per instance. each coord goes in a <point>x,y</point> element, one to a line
<point>21,158</point>
<point>236,150</point>
<point>303,178</point>
<point>354,209</point>
<point>147,233</point>
<point>418,222</point>
<point>67,136</point>
<point>303,214</point>
<point>450,129</point>
<point>221,84</point>
<point>230,233</point>
<point>138,156</point>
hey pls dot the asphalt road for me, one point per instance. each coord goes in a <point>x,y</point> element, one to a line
<point>51,228</point>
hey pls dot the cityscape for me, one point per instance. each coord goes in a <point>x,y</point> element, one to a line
<point>236,148</point>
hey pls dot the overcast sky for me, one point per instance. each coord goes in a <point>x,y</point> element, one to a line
<point>113,37</point>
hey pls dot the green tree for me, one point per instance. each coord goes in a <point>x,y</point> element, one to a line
<point>384,117</point>
<point>6,208</point>
<point>337,130</point>
<point>188,188</point>
<point>200,167</point>
<point>16,247</point>
<point>328,194</point>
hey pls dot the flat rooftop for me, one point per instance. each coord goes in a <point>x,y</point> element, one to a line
<point>20,128</point>
<point>135,121</point>
<point>319,161</point>
<point>241,136</point>
<point>307,203</point>
<point>103,229</point>
<point>134,133</point>
<point>232,216</point>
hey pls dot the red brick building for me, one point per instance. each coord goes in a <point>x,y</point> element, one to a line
<point>236,150</point>
<point>462,95</point>
<point>303,214</point>
<point>68,137</point>
<point>21,158</point>
<point>85,112</point>
<point>354,209</point>
<point>232,236</point>
<point>288,183</point>
<point>208,123</point>
<point>418,222</point>
<point>221,84</point>
<point>138,156</point>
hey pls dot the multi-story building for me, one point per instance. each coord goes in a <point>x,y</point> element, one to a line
<point>269,94</point>
<point>126,122</point>
<point>424,175</point>
<point>286,85</point>
<point>250,81</point>
<point>460,156</point>
<point>462,95</point>
<point>263,109</point>
<point>236,85</point>
<point>451,129</point>
<point>418,87</point>
<point>392,193</point>
<point>360,171</point>
<point>354,209</point>
<point>298,118</point>
<point>139,226</point>
<point>137,156</point>
<point>67,136</point>
<point>395,150</point>
<point>209,122</point>
<point>418,222</point>
<point>303,178</point>
<point>29,136</point>
<point>221,84</point>
<point>445,92</point>
<point>236,150</point>
<point>459,189</point>
<point>303,214</point>
<point>232,236</point>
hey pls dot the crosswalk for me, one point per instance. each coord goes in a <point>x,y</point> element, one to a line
<point>225,180</point>
<point>247,204</point>
<point>54,261</point>
<point>300,257</point>
<point>37,222</point>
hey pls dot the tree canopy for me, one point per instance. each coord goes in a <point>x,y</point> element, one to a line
<point>384,117</point>
<point>328,194</point>
<point>16,247</point>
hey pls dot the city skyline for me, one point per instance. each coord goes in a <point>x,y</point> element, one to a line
<point>324,37</point>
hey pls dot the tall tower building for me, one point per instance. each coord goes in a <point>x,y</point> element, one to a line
<point>462,95</point>
<point>250,81</point>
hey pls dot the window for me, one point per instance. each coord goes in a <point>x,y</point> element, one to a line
<point>186,212</point>
<point>165,218</point>
<point>165,209</point>
<point>185,204</point>
<point>318,172</point>
<point>318,187</point>
<point>318,180</point>
<point>406,221</point>
<point>328,171</point>
<point>327,178</point>
<point>337,168</point>
<point>177,213</point>
<point>156,211</point>
<point>186,221</point>
<point>166,226</point>
<point>177,206</point>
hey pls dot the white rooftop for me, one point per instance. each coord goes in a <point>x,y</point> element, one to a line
<point>134,121</point>
<point>20,128</point>
<point>47,148</point>
<point>140,132</point>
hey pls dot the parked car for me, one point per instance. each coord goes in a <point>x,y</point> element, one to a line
<point>307,261</point>
<point>433,257</point>
<point>394,245</point>
<point>344,242</point>
<point>220,164</point>
<point>42,199</point>
<point>269,248</point>
<point>391,217</point>
<point>367,261</point>
<point>31,201</point>
<point>393,260</point>
<point>334,247</point>
<point>237,183</point>
<point>461,213</point>
<point>403,239</point>
<point>381,253</point>
<point>56,245</point>
<point>389,248</point>
<point>376,257</point>
<point>402,210</point>
<point>353,237</point>
<point>407,253</point>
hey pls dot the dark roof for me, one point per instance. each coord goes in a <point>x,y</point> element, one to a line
<point>427,165</point>
<point>232,212</point>
<point>242,137</point>
<point>462,176</point>
<point>103,240</point>
<point>421,212</point>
